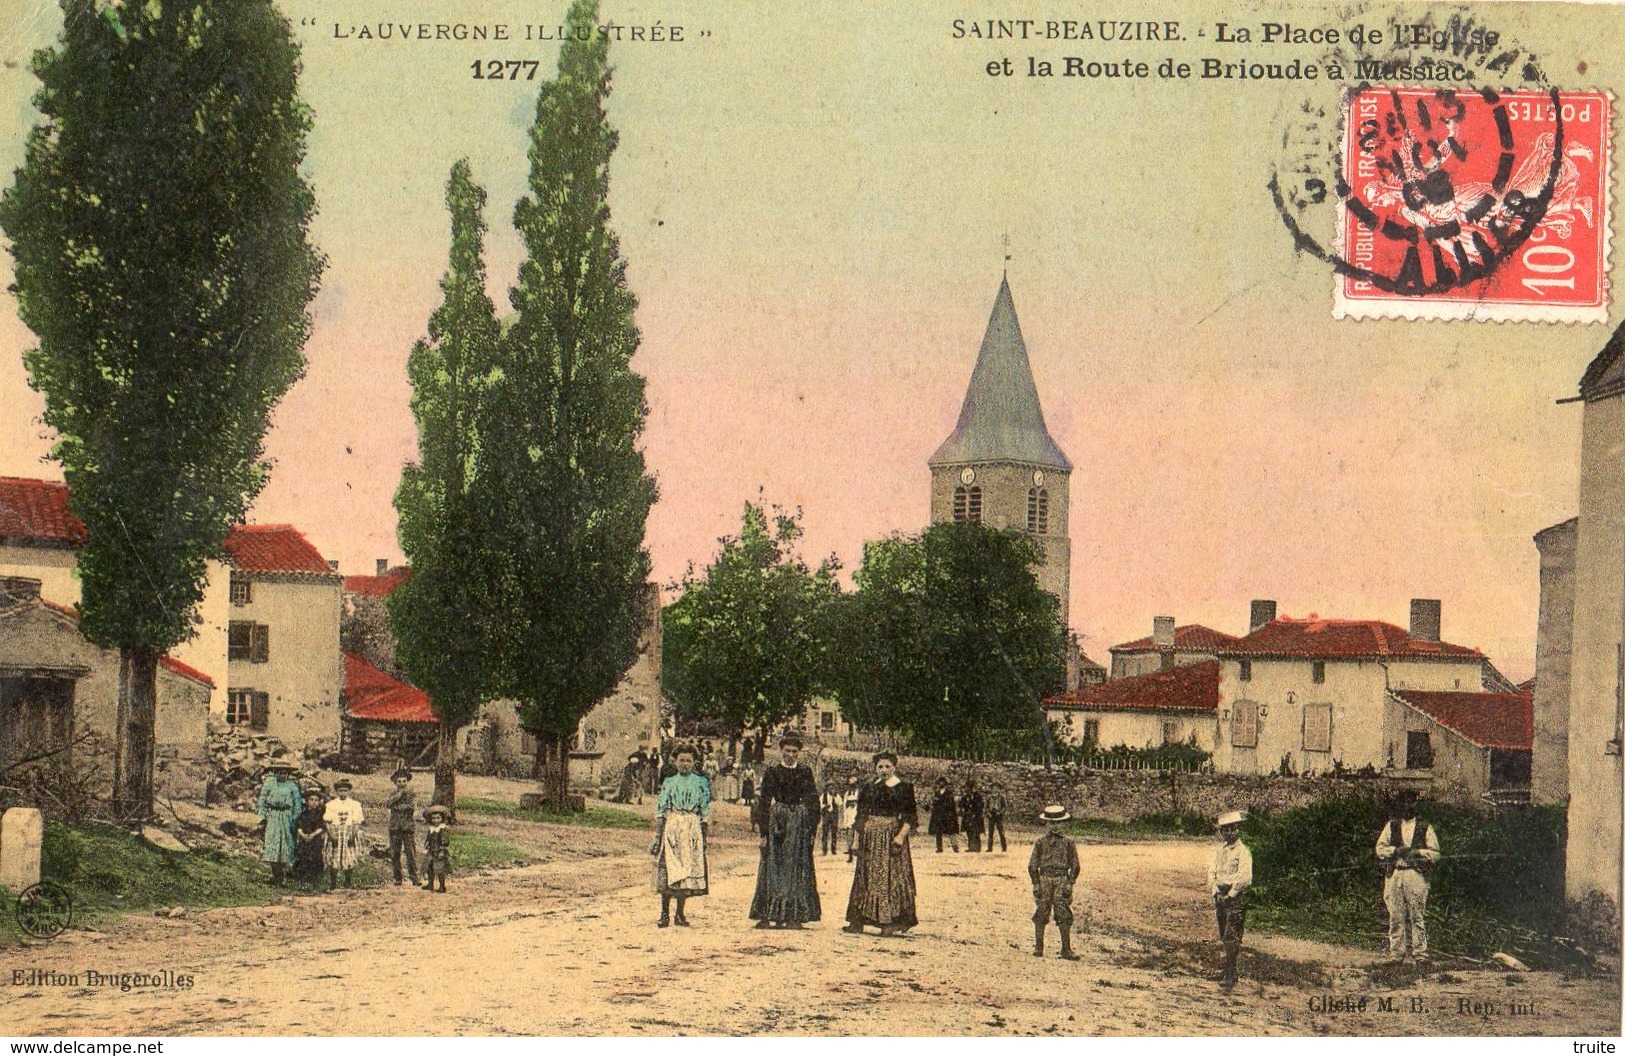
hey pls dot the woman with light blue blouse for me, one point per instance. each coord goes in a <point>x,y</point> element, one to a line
<point>682,820</point>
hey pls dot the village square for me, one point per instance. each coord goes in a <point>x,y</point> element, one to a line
<point>511,779</point>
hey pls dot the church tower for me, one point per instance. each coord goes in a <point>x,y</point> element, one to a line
<point>1001,467</point>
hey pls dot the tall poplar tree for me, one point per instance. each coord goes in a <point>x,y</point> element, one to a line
<point>567,476</point>
<point>159,225</point>
<point>442,616</point>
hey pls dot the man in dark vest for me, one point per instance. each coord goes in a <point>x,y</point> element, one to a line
<point>1406,850</point>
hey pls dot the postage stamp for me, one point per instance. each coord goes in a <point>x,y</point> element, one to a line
<point>1473,204</point>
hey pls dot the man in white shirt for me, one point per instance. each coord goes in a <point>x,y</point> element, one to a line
<point>1228,878</point>
<point>1407,847</point>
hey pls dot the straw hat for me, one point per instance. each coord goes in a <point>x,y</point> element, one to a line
<point>1234,817</point>
<point>1054,812</point>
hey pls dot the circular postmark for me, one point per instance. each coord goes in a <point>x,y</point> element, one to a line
<point>1408,190</point>
<point>44,910</point>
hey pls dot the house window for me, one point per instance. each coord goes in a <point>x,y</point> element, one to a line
<point>1244,724</point>
<point>1246,670</point>
<point>1317,728</point>
<point>1091,730</point>
<point>1418,750</point>
<point>1170,731</point>
<point>247,707</point>
<point>826,720</point>
<point>36,719</point>
<point>242,591</point>
<point>1038,510</point>
<point>591,744</point>
<point>1317,671</point>
<point>248,641</point>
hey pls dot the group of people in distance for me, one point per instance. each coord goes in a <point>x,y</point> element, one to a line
<point>969,812</point>
<point>304,833</point>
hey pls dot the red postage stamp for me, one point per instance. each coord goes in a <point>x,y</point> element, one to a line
<point>1472,204</point>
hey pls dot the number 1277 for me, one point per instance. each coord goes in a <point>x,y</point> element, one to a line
<point>499,70</point>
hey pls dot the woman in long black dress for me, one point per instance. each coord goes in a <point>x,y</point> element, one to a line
<point>945,815</point>
<point>310,838</point>
<point>786,814</point>
<point>883,882</point>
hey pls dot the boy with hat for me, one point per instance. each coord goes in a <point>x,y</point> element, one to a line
<point>403,826</point>
<point>1228,878</point>
<point>344,819</point>
<point>1053,869</point>
<point>436,847</point>
<point>1407,847</point>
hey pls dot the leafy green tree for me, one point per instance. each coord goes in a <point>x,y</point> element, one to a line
<point>948,639</point>
<point>748,644</point>
<point>566,474</point>
<point>160,229</point>
<point>443,615</point>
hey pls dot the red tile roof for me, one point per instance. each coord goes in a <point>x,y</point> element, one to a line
<point>1489,720</point>
<point>1084,661</point>
<point>371,694</point>
<point>1194,687</point>
<point>185,670</point>
<point>1191,636</point>
<point>1317,639</point>
<point>378,586</point>
<point>36,512</point>
<point>273,548</point>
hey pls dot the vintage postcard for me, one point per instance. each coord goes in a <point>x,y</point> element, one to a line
<point>679,517</point>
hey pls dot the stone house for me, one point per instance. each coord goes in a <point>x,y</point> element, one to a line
<point>1312,693</point>
<point>384,720</point>
<point>1167,647</point>
<point>284,671</point>
<point>40,539</point>
<point>1465,745</point>
<point>1177,706</point>
<point>59,696</point>
<point>1580,660</point>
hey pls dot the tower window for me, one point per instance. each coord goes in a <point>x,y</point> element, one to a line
<point>968,505</point>
<point>1038,510</point>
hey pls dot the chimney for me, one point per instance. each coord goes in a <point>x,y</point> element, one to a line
<point>1162,636</point>
<point>1262,612</point>
<point>1425,619</point>
<point>332,566</point>
<point>16,589</point>
<point>383,566</point>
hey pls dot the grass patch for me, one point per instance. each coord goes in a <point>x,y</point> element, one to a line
<point>593,817</point>
<point>1150,827</point>
<point>472,851</point>
<point>109,872</point>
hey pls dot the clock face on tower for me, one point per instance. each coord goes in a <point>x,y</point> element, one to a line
<point>967,475</point>
<point>1038,478</point>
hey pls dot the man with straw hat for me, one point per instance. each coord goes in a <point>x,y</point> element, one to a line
<point>1228,878</point>
<point>1407,847</point>
<point>1053,869</point>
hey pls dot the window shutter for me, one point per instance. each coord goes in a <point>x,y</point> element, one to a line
<point>259,710</point>
<point>262,643</point>
<point>1317,728</point>
<point>1244,724</point>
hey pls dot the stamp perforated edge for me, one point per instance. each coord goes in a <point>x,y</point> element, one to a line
<point>1421,309</point>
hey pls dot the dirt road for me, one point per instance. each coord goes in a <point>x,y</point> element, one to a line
<point>568,946</point>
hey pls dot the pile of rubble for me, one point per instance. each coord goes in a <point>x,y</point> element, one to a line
<point>238,759</point>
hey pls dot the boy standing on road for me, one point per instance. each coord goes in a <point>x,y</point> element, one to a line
<point>1053,869</point>
<point>403,806</point>
<point>436,848</point>
<point>1228,878</point>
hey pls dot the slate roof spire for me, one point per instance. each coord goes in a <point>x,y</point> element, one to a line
<point>1001,420</point>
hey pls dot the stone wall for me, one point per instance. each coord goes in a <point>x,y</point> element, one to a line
<point>1111,795</point>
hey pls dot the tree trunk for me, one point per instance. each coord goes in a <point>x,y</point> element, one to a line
<point>552,768</point>
<point>137,714</point>
<point>445,769</point>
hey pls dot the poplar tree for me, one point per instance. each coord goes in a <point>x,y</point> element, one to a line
<point>159,225</point>
<point>567,475</point>
<point>442,617</point>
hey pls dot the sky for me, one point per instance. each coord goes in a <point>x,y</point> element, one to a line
<point>816,205</point>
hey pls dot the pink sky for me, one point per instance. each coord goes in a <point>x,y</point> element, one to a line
<point>813,223</point>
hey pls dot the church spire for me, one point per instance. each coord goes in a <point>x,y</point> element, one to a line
<point>1001,420</point>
